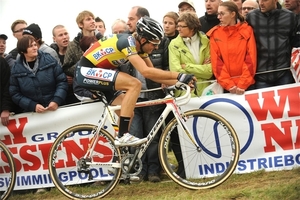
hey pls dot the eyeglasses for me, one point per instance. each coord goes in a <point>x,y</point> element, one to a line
<point>155,44</point>
<point>221,14</point>
<point>179,26</point>
<point>20,30</point>
<point>248,8</point>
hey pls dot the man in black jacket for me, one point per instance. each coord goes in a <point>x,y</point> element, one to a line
<point>5,99</point>
<point>210,19</point>
<point>274,30</point>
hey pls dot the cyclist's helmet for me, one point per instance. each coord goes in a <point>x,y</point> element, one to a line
<point>150,29</point>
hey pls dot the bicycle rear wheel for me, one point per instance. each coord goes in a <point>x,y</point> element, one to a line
<point>208,166</point>
<point>7,172</point>
<point>79,178</point>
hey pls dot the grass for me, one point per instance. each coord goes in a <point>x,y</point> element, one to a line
<point>260,185</point>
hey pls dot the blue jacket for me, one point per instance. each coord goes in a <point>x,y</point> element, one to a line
<point>48,84</point>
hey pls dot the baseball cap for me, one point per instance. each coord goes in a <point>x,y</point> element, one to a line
<point>34,30</point>
<point>191,3</point>
<point>3,36</point>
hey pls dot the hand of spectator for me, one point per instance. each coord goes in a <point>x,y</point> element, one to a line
<point>207,61</point>
<point>39,108</point>
<point>70,80</point>
<point>233,90</point>
<point>240,90</point>
<point>5,117</point>
<point>183,66</point>
<point>52,106</point>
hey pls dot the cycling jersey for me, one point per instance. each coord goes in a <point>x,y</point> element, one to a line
<point>111,51</point>
<point>106,54</point>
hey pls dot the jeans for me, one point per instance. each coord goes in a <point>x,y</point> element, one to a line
<point>142,123</point>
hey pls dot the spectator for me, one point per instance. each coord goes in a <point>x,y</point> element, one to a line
<point>35,31</point>
<point>119,26</point>
<point>86,23</point>
<point>17,28</point>
<point>134,15</point>
<point>6,104</point>
<point>274,30</point>
<point>190,52</point>
<point>210,18</point>
<point>8,57</point>
<point>233,50</point>
<point>294,6</point>
<point>145,117</point>
<point>239,4</point>
<point>169,25</point>
<point>61,39</point>
<point>186,6</point>
<point>170,29</point>
<point>37,82</point>
<point>100,25</point>
<point>249,5</point>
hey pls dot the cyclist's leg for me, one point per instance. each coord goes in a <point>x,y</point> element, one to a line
<point>132,86</point>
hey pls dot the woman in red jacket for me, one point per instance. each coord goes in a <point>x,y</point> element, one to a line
<point>233,50</point>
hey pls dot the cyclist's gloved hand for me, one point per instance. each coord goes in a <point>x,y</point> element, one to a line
<point>188,79</point>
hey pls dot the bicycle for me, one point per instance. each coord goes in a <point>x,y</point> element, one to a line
<point>100,164</point>
<point>7,172</point>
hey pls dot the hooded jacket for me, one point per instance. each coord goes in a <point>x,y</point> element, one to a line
<point>233,55</point>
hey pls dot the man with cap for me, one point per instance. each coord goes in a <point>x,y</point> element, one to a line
<point>35,31</point>
<point>186,6</point>
<point>7,57</point>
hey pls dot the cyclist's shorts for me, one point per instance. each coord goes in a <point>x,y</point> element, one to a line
<point>98,79</point>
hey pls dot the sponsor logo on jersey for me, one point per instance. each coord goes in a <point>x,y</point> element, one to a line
<point>131,41</point>
<point>103,52</point>
<point>94,82</point>
<point>98,73</point>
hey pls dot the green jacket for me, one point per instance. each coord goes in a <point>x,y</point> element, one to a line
<point>179,53</point>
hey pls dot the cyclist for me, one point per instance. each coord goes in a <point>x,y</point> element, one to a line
<point>98,70</point>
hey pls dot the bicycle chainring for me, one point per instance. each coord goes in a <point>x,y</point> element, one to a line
<point>136,168</point>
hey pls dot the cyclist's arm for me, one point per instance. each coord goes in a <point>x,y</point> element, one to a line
<point>157,75</point>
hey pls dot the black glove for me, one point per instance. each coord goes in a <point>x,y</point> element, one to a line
<point>183,78</point>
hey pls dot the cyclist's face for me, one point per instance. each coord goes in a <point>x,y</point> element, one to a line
<point>149,45</point>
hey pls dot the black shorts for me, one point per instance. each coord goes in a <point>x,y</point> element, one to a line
<point>98,79</point>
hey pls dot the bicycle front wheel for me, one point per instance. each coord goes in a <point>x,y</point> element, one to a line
<point>81,175</point>
<point>8,172</point>
<point>210,161</point>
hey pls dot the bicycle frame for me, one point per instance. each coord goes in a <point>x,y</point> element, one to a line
<point>172,105</point>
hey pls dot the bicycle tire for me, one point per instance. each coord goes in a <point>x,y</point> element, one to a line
<point>202,168</point>
<point>65,155</point>
<point>8,173</point>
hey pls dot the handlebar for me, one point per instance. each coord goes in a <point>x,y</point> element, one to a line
<point>183,99</point>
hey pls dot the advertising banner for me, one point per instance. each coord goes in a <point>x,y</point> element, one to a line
<point>267,122</point>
